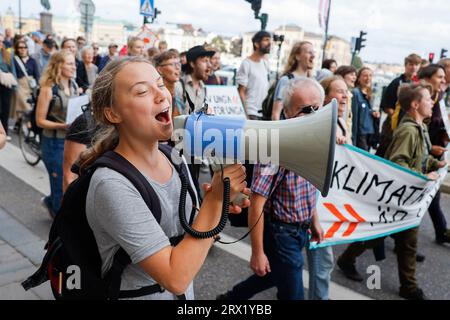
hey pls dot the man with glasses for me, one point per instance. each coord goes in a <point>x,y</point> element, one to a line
<point>289,205</point>
<point>97,57</point>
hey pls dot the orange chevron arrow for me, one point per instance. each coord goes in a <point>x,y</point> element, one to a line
<point>342,219</point>
<point>353,225</point>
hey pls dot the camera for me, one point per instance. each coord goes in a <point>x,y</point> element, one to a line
<point>278,38</point>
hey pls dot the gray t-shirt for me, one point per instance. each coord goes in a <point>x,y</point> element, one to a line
<point>255,77</point>
<point>119,217</point>
<point>281,87</point>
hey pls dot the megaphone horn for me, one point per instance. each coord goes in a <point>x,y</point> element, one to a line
<point>304,145</point>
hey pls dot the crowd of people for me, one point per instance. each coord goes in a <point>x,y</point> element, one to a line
<point>133,99</point>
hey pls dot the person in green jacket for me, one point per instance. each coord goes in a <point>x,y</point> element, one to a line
<point>411,145</point>
<point>409,148</point>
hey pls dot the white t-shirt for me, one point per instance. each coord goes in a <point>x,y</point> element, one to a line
<point>253,76</point>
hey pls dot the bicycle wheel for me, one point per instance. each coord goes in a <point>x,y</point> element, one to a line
<point>29,142</point>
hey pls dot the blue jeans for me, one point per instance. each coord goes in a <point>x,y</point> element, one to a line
<point>53,155</point>
<point>320,266</point>
<point>253,285</point>
<point>283,245</point>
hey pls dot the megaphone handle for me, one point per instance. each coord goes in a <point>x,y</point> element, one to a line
<point>239,201</point>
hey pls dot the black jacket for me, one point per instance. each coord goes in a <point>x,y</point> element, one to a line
<point>82,78</point>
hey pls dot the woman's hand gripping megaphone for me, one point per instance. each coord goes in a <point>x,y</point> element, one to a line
<point>239,193</point>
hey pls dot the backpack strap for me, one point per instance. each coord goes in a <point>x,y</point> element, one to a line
<point>191,104</point>
<point>121,260</point>
<point>116,162</point>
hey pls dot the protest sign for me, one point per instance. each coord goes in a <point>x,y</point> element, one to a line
<point>371,197</point>
<point>224,100</point>
<point>75,107</point>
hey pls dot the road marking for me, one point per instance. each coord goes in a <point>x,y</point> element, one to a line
<point>12,160</point>
<point>243,250</point>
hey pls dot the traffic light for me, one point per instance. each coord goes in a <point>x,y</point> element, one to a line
<point>264,18</point>
<point>256,6</point>
<point>431,57</point>
<point>360,41</point>
<point>444,53</point>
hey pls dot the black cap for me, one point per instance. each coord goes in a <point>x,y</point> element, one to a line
<point>49,43</point>
<point>197,52</point>
<point>257,38</point>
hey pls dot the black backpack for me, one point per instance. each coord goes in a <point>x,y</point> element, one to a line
<point>72,242</point>
<point>267,104</point>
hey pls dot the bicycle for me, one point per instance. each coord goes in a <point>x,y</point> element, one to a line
<point>29,136</point>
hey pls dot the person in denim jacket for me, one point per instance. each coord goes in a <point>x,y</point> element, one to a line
<point>363,115</point>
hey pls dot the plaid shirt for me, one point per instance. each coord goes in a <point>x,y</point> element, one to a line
<point>294,198</point>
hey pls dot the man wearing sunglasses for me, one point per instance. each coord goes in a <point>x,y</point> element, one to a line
<point>289,205</point>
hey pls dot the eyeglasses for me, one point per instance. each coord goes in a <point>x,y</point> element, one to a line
<point>22,47</point>
<point>174,64</point>
<point>307,110</point>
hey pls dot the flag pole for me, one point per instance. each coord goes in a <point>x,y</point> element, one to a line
<point>326,31</point>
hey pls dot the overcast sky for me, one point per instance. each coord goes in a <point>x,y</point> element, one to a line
<point>395,28</point>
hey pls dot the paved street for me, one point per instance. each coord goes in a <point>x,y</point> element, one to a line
<point>24,227</point>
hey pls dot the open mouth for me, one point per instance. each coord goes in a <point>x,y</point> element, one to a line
<point>163,117</point>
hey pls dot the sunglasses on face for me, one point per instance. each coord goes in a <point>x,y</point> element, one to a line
<point>307,110</point>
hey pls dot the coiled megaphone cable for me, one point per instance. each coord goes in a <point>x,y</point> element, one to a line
<point>225,210</point>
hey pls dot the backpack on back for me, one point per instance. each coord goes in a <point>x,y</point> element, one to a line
<point>267,105</point>
<point>72,263</point>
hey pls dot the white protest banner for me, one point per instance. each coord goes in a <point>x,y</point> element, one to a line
<point>74,107</point>
<point>225,100</point>
<point>371,197</point>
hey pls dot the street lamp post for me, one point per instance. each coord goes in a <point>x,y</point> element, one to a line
<point>326,31</point>
<point>20,16</point>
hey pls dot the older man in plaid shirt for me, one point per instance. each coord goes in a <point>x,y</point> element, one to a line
<point>289,205</point>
